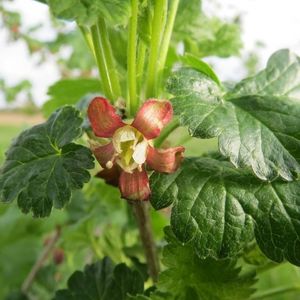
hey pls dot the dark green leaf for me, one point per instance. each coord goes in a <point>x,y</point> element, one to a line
<point>69,91</point>
<point>16,296</point>
<point>281,77</point>
<point>102,280</point>
<point>216,206</point>
<point>42,166</point>
<point>42,1</point>
<point>189,277</point>
<point>115,12</point>
<point>258,131</point>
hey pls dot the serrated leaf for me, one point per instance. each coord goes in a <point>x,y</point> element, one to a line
<point>69,91</point>
<point>102,280</point>
<point>189,277</point>
<point>87,12</point>
<point>43,166</point>
<point>258,131</point>
<point>281,77</point>
<point>215,206</point>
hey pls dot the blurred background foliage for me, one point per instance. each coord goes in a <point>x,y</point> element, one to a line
<point>97,222</point>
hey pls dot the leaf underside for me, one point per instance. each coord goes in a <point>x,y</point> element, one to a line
<point>43,166</point>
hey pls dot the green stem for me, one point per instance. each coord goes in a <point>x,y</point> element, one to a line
<point>140,66</point>
<point>101,62</point>
<point>268,266</point>
<point>88,38</point>
<point>167,38</point>
<point>109,58</point>
<point>166,132</point>
<point>157,29</point>
<point>269,294</point>
<point>132,101</point>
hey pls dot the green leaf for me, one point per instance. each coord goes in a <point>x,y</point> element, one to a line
<point>188,16</point>
<point>203,36</point>
<point>102,280</point>
<point>281,77</point>
<point>257,131</point>
<point>189,277</point>
<point>201,66</point>
<point>69,91</point>
<point>16,295</point>
<point>216,206</point>
<point>43,166</point>
<point>115,12</point>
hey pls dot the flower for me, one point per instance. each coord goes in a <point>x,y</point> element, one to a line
<point>130,150</point>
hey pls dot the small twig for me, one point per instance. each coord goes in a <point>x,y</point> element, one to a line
<point>40,262</point>
<point>141,212</point>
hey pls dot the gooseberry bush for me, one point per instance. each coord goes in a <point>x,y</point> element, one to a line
<point>174,185</point>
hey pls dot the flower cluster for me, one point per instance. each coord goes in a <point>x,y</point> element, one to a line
<point>130,150</point>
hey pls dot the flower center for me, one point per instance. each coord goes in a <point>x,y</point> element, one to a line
<point>131,148</point>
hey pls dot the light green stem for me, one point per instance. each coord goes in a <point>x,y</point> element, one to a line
<point>140,66</point>
<point>132,101</point>
<point>270,294</point>
<point>167,38</point>
<point>109,58</point>
<point>166,132</point>
<point>88,38</point>
<point>101,62</point>
<point>157,30</point>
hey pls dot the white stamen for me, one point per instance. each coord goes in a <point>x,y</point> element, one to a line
<point>140,151</point>
<point>109,164</point>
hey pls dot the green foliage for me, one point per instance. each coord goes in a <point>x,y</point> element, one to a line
<point>203,36</point>
<point>189,277</point>
<point>201,66</point>
<point>280,78</point>
<point>216,207</point>
<point>87,13</point>
<point>102,280</point>
<point>43,165</point>
<point>69,91</point>
<point>256,128</point>
<point>11,92</point>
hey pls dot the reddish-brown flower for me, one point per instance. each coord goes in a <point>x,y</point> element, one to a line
<point>125,157</point>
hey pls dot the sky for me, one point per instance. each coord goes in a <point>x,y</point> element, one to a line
<point>276,23</point>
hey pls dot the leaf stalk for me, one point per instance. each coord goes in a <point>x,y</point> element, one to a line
<point>158,21</point>
<point>132,100</point>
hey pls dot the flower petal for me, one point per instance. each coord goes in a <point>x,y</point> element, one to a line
<point>104,154</point>
<point>111,176</point>
<point>103,117</point>
<point>165,160</point>
<point>152,117</point>
<point>140,152</point>
<point>135,185</point>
